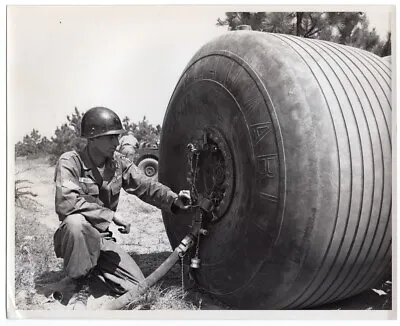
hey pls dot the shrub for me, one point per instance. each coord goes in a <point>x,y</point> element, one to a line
<point>32,146</point>
<point>23,194</point>
<point>143,131</point>
<point>67,137</point>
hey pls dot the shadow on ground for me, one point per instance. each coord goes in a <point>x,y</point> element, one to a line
<point>198,297</point>
<point>148,263</point>
<point>54,281</point>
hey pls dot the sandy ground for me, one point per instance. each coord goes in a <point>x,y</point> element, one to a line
<point>147,243</point>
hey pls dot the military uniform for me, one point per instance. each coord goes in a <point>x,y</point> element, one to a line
<point>85,202</point>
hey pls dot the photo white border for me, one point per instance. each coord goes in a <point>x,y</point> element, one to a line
<point>217,315</point>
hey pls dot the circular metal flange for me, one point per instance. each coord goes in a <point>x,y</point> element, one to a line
<point>216,172</point>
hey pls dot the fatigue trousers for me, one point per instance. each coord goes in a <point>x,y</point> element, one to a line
<point>85,250</point>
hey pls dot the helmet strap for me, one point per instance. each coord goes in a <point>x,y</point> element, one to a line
<point>95,156</point>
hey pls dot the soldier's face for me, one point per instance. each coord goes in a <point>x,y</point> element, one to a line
<point>106,145</point>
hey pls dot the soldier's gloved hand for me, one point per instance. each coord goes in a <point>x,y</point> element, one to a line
<point>183,201</point>
<point>125,227</point>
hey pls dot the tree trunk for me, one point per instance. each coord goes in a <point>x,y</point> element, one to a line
<point>387,48</point>
<point>299,17</point>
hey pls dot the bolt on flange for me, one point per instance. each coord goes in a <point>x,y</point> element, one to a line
<point>216,169</point>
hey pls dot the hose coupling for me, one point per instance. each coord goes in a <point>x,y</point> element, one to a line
<point>203,231</point>
<point>185,244</point>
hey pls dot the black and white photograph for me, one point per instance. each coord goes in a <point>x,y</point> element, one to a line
<point>192,160</point>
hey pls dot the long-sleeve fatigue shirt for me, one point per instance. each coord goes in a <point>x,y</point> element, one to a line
<point>78,193</point>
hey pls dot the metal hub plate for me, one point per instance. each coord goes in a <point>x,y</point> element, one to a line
<point>215,171</point>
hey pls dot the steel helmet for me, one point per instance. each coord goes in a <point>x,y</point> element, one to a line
<point>100,121</point>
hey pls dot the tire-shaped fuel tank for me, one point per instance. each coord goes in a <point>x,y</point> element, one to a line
<point>304,134</point>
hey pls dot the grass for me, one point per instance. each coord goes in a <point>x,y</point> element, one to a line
<point>34,255</point>
<point>158,298</point>
<point>23,195</point>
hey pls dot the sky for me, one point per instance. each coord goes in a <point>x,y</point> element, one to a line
<point>127,58</point>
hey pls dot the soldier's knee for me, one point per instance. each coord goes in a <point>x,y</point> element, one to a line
<point>75,223</point>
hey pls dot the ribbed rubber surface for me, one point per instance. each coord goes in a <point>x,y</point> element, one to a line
<point>361,83</point>
<point>309,127</point>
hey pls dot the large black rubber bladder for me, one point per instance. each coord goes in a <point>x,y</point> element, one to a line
<point>307,124</point>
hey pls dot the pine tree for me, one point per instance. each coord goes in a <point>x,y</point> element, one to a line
<point>32,145</point>
<point>349,28</point>
<point>67,137</point>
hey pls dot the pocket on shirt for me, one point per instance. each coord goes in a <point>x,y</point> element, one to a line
<point>90,188</point>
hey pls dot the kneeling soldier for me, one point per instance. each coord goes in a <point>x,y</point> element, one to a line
<point>88,186</point>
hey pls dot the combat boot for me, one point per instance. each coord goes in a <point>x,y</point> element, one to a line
<point>80,298</point>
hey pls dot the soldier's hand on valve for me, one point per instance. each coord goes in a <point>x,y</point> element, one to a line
<point>183,201</point>
<point>125,226</point>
